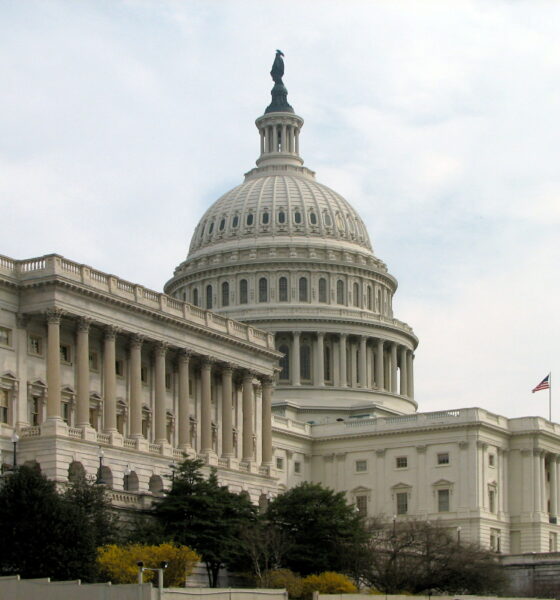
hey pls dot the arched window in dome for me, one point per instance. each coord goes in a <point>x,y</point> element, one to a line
<point>283,289</point>
<point>369,298</point>
<point>340,292</point>
<point>235,221</point>
<point>297,217</point>
<point>356,294</point>
<point>243,295</point>
<point>327,363</point>
<point>322,290</point>
<point>263,289</point>
<point>303,290</point>
<point>379,303</point>
<point>313,218</point>
<point>281,217</point>
<point>211,228</point>
<point>225,293</point>
<point>202,228</point>
<point>250,219</point>
<point>209,297</point>
<point>284,363</point>
<point>351,224</point>
<point>195,296</point>
<point>222,224</point>
<point>265,217</point>
<point>339,222</point>
<point>305,362</point>
<point>327,219</point>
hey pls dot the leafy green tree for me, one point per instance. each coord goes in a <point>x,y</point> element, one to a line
<point>206,516</point>
<point>44,533</point>
<point>325,532</point>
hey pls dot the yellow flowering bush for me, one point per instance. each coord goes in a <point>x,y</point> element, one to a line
<point>328,582</point>
<point>118,563</point>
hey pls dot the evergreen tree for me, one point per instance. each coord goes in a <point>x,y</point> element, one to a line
<point>206,516</point>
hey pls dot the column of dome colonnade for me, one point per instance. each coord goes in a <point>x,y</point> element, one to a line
<point>363,361</point>
<point>161,352</point>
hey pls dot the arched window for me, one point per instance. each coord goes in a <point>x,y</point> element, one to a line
<point>250,218</point>
<point>327,219</point>
<point>340,292</point>
<point>155,485</point>
<point>209,297</point>
<point>225,293</point>
<point>327,363</point>
<point>313,218</point>
<point>303,295</point>
<point>281,217</point>
<point>263,289</point>
<point>379,300</point>
<point>76,472</point>
<point>322,290</point>
<point>195,296</point>
<point>222,224</point>
<point>284,363</point>
<point>130,482</point>
<point>265,217</point>
<point>305,362</point>
<point>283,289</point>
<point>211,229</point>
<point>235,221</point>
<point>243,295</point>
<point>369,298</point>
<point>297,217</point>
<point>356,294</point>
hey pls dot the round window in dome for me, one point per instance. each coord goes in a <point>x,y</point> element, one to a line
<point>313,218</point>
<point>222,224</point>
<point>235,221</point>
<point>281,217</point>
<point>249,220</point>
<point>327,219</point>
<point>265,218</point>
<point>297,217</point>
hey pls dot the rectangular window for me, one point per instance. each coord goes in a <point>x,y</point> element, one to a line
<point>280,464</point>
<point>35,345</point>
<point>35,407</point>
<point>402,503</point>
<point>492,501</point>
<point>66,413</point>
<point>119,368</point>
<point>491,460</point>
<point>5,336</point>
<point>144,375</point>
<point>297,467</point>
<point>93,418</point>
<point>94,361</point>
<point>168,381</point>
<point>443,458</point>
<point>495,540</point>
<point>65,355</point>
<point>4,402</point>
<point>401,462</point>
<point>361,466</point>
<point>443,500</point>
<point>361,505</point>
<point>120,423</point>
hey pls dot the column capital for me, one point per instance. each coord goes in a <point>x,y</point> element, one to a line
<point>54,315</point>
<point>248,375</point>
<point>136,340</point>
<point>22,319</point>
<point>160,348</point>
<point>83,324</point>
<point>184,355</point>
<point>320,334</point>
<point>206,363</point>
<point>296,333</point>
<point>343,335</point>
<point>227,367</point>
<point>267,381</point>
<point>380,342</point>
<point>110,332</point>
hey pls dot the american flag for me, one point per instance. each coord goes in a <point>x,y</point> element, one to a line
<point>543,385</point>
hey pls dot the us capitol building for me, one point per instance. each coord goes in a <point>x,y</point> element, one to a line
<point>274,355</point>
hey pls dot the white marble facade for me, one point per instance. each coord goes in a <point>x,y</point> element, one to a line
<point>280,292</point>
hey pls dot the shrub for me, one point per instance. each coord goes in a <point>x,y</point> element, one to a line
<point>328,582</point>
<point>118,563</point>
<point>284,578</point>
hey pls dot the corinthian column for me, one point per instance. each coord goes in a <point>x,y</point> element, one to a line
<point>363,369</point>
<point>379,367</point>
<point>82,367</point>
<point>248,416</point>
<point>109,381</point>
<point>227,412</point>
<point>54,316</point>
<point>342,353</point>
<point>267,420</point>
<point>320,359</point>
<point>206,407</point>
<point>184,417</point>
<point>296,369</point>
<point>410,359</point>
<point>159,408</point>
<point>136,386</point>
<point>404,371</point>
<point>393,369</point>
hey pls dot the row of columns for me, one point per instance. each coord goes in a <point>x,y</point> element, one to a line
<point>536,463</point>
<point>54,317</point>
<point>288,139</point>
<point>400,358</point>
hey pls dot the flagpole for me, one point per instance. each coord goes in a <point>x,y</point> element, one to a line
<point>550,396</point>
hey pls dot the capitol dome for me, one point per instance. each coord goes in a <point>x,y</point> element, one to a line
<point>291,256</point>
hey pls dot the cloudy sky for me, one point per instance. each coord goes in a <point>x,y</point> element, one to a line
<point>122,121</point>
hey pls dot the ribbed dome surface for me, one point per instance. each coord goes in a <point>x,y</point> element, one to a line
<point>289,203</point>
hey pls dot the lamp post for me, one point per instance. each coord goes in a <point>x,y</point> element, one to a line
<point>99,479</point>
<point>394,525</point>
<point>15,440</point>
<point>459,535</point>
